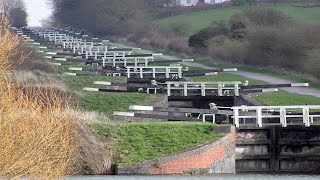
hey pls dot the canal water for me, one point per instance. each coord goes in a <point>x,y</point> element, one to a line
<point>213,177</point>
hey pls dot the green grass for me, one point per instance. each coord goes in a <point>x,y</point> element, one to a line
<point>138,142</point>
<point>77,83</point>
<point>282,98</point>
<point>106,103</point>
<point>109,102</point>
<point>306,15</point>
<point>202,19</point>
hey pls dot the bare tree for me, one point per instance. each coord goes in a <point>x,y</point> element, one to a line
<point>10,5</point>
<point>101,16</point>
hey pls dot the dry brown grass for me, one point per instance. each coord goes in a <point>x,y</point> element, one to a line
<point>37,134</point>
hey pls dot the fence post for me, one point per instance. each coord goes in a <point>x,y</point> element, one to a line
<point>185,89</point>
<point>141,72</point>
<point>128,72</point>
<point>220,92</point>
<point>283,118</point>
<point>169,88</point>
<point>180,72</point>
<point>306,118</point>
<point>236,117</point>
<point>203,89</point>
<point>154,73</point>
<point>236,89</point>
<point>259,117</point>
<point>167,73</point>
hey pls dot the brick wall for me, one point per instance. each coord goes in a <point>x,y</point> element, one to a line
<point>209,158</point>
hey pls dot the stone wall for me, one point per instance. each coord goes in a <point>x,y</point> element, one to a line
<point>210,158</point>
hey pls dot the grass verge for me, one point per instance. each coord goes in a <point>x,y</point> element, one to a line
<point>138,142</point>
<point>109,102</point>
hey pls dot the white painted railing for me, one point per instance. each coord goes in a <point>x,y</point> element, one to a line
<point>154,71</point>
<point>221,88</point>
<point>282,113</point>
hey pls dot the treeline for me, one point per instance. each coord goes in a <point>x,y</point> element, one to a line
<point>102,17</point>
<point>15,10</point>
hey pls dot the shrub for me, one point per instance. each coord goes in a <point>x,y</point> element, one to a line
<point>19,17</point>
<point>266,17</point>
<point>180,29</point>
<point>228,50</point>
<point>277,46</point>
<point>179,44</point>
<point>199,40</point>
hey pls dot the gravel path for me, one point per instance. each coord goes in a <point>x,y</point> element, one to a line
<point>257,76</point>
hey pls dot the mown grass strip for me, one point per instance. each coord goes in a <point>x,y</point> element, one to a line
<point>138,142</point>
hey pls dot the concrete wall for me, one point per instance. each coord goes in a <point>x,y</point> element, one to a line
<point>210,158</point>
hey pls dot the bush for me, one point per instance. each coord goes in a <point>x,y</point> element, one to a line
<point>199,40</point>
<point>266,17</point>
<point>228,50</point>
<point>19,17</point>
<point>281,47</point>
<point>263,37</point>
<point>180,29</point>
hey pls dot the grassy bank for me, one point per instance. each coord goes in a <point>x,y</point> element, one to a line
<point>109,102</point>
<point>139,142</point>
<point>202,19</point>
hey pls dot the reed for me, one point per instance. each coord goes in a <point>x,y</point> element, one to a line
<point>37,134</point>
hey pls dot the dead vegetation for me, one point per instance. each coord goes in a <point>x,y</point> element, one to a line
<point>37,135</point>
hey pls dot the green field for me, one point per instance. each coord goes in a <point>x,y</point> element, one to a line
<point>202,19</point>
<point>137,142</point>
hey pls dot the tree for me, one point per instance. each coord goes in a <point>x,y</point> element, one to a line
<point>19,17</point>
<point>15,10</point>
<point>10,5</point>
<point>100,16</point>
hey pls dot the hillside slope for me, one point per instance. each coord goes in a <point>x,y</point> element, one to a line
<point>202,19</point>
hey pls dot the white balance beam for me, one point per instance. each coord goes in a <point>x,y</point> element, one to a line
<point>102,83</point>
<point>230,70</point>
<point>126,114</point>
<point>300,85</point>
<point>75,69</point>
<point>70,74</point>
<point>60,59</point>
<point>91,89</point>
<point>270,90</point>
<point>210,74</point>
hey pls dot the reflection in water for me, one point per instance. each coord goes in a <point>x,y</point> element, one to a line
<point>213,177</point>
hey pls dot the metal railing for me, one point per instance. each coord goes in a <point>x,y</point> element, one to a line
<point>154,71</point>
<point>282,114</point>
<point>220,87</point>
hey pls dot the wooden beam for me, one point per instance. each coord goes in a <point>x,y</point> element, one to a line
<point>160,117</point>
<point>179,110</point>
<point>275,86</point>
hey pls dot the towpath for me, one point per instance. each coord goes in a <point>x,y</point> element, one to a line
<point>250,75</point>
